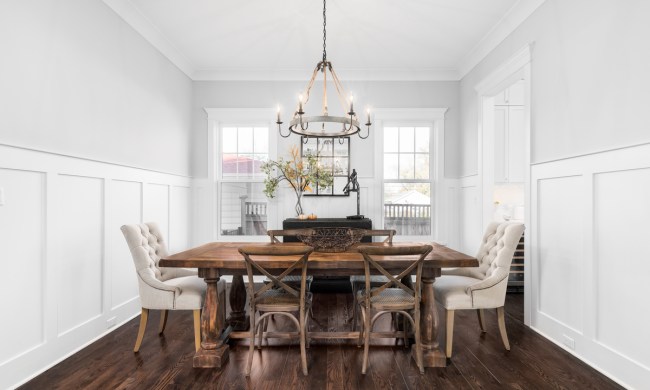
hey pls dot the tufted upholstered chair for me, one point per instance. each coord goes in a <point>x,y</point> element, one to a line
<point>163,288</point>
<point>482,287</point>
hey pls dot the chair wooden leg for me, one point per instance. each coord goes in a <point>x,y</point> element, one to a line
<point>144,316</point>
<point>260,324</point>
<point>418,342</point>
<point>481,320</point>
<point>362,330</point>
<point>450,333</point>
<point>366,343</point>
<point>251,342</point>
<point>303,342</point>
<point>163,321</point>
<point>405,325</point>
<point>502,327</point>
<point>197,329</point>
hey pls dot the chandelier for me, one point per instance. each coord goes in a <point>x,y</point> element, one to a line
<point>325,125</point>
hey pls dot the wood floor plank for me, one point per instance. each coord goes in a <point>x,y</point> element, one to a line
<point>479,361</point>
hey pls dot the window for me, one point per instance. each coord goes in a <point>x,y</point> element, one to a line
<point>244,149</point>
<point>243,205</point>
<point>407,181</point>
<point>332,154</point>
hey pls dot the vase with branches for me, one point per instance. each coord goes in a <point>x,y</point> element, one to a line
<point>302,175</point>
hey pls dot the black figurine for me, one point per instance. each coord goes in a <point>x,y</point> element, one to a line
<point>353,186</point>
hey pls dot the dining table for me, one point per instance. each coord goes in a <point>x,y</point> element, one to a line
<point>217,259</point>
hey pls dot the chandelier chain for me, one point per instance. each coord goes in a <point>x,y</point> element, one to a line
<point>324,32</point>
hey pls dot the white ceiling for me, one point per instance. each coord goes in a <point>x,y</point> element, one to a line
<point>366,39</point>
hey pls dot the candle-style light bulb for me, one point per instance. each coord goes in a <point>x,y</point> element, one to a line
<point>367,112</point>
<point>278,118</point>
<point>351,104</point>
<point>300,103</point>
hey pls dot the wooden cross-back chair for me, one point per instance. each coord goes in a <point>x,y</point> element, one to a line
<point>394,296</point>
<point>358,281</point>
<point>292,280</point>
<point>277,297</point>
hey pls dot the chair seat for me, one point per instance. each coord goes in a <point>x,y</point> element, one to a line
<point>390,298</point>
<point>451,291</point>
<point>374,279</point>
<point>294,280</point>
<point>279,300</point>
<point>192,293</point>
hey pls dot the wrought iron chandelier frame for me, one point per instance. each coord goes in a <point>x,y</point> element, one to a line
<point>300,124</point>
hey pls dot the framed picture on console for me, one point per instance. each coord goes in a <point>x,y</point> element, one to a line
<point>332,154</point>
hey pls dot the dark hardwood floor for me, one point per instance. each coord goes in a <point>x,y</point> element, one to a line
<point>479,361</point>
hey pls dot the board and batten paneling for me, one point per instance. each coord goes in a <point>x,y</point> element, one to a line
<point>22,253</point>
<point>79,240</point>
<point>125,202</point>
<point>622,260</point>
<point>590,269</point>
<point>70,268</point>
<point>469,215</point>
<point>179,218</point>
<point>559,275</point>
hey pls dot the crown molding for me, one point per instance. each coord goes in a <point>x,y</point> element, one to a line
<point>134,18</point>
<point>510,21</point>
<point>513,18</point>
<point>383,74</point>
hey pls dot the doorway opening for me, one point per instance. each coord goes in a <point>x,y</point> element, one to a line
<point>504,162</point>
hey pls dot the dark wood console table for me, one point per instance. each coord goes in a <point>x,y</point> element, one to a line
<point>295,223</point>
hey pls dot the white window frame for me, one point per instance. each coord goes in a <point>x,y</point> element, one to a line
<point>219,118</point>
<point>434,118</point>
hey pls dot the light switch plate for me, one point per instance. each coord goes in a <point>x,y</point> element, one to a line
<point>2,196</point>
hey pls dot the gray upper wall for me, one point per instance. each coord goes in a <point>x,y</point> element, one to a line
<point>589,79</point>
<point>76,79</point>
<point>377,94</point>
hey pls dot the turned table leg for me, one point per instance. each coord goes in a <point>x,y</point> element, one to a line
<point>238,320</point>
<point>429,322</point>
<point>213,351</point>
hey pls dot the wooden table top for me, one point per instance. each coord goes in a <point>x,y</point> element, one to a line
<point>225,255</point>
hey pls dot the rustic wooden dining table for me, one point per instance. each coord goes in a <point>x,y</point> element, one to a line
<point>218,259</point>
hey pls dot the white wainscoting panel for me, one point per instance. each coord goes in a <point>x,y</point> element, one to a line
<point>451,202</point>
<point>179,218</point>
<point>80,247</point>
<point>156,206</point>
<point>125,203</point>
<point>64,256</point>
<point>622,261</point>
<point>21,252</point>
<point>469,215</point>
<point>559,241</point>
<point>590,251</point>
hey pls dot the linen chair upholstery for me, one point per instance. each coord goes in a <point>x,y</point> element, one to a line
<point>482,287</point>
<point>163,288</point>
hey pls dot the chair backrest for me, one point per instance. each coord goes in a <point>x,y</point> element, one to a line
<point>497,248</point>
<point>372,254</point>
<point>251,252</point>
<point>274,234</point>
<point>147,247</point>
<point>389,233</point>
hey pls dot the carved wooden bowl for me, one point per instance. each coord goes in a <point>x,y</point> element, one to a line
<point>332,239</point>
